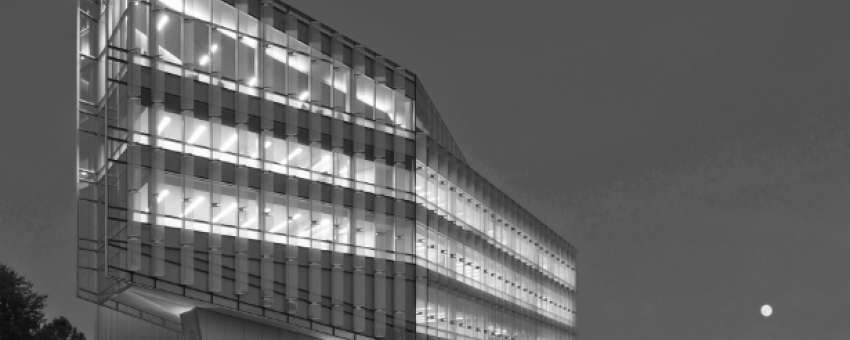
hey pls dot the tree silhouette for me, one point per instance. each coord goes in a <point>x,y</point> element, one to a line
<point>21,315</point>
<point>20,306</point>
<point>59,328</point>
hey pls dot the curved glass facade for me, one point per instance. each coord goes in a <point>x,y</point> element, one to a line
<point>240,154</point>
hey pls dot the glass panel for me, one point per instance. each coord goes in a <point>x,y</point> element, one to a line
<point>297,45</point>
<point>203,52</point>
<point>229,139</point>
<point>420,242</point>
<point>169,197</point>
<point>88,36</point>
<point>224,53</point>
<point>402,179</point>
<point>343,225</point>
<point>199,132</point>
<point>384,233</point>
<point>88,72</point>
<point>197,203</point>
<point>365,170</point>
<point>297,76</point>
<point>275,30</point>
<point>199,9</point>
<point>224,15</point>
<point>249,144</point>
<point>385,104</point>
<point>321,77</point>
<point>364,236</point>
<point>385,171</point>
<point>168,36</point>
<point>248,61</point>
<point>404,236</point>
<point>322,225</point>
<point>248,209</point>
<point>365,96</point>
<point>442,194</point>
<point>279,218</point>
<point>120,37</point>
<point>225,207</point>
<point>343,165</point>
<point>322,161</point>
<point>139,198</point>
<point>299,155</point>
<point>116,9</point>
<point>276,151</point>
<point>431,193</point>
<point>341,76</point>
<point>175,5</point>
<point>170,125</point>
<point>140,30</point>
<point>248,24</point>
<point>277,61</point>
<point>299,222</point>
<point>403,112</point>
<point>421,182</point>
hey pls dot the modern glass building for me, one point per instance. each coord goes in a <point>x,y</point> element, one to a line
<point>247,172</point>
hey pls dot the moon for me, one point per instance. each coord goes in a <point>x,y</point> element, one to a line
<point>766,311</point>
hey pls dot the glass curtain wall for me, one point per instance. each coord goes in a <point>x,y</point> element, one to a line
<point>244,120</point>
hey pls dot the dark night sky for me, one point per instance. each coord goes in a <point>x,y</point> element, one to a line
<point>696,152</point>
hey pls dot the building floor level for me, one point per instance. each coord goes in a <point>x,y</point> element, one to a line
<point>245,171</point>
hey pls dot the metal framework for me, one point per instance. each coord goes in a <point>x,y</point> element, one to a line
<point>241,156</point>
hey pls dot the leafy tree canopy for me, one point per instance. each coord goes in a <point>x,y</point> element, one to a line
<point>21,315</point>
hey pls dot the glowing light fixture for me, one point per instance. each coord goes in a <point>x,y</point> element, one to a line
<point>194,204</point>
<point>256,148</point>
<point>304,95</point>
<point>267,144</point>
<point>252,82</point>
<point>163,124</point>
<point>298,62</point>
<point>229,34</point>
<point>176,5</point>
<point>224,212</point>
<point>162,195</point>
<point>294,153</point>
<point>250,222</point>
<point>279,226</point>
<point>249,42</point>
<point>196,134</point>
<point>163,20</point>
<point>213,48</point>
<point>276,53</point>
<point>204,60</point>
<point>229,142</point>
<point>321,163</point>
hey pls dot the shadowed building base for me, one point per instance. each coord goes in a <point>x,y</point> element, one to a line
<point>138,313</point>
<point>205,324</point>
